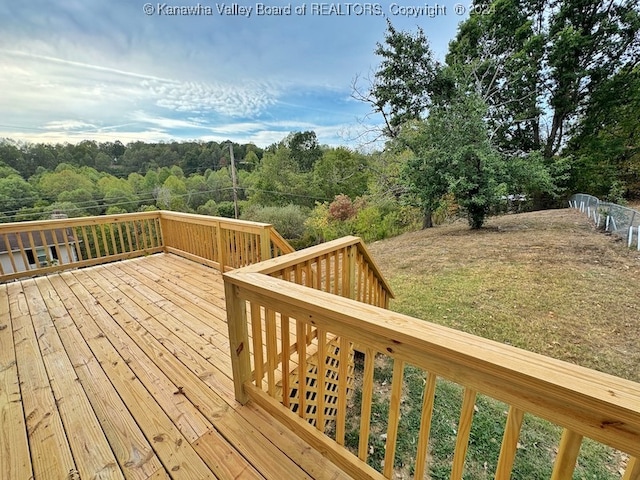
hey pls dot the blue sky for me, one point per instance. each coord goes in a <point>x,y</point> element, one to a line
<point>129,70</point>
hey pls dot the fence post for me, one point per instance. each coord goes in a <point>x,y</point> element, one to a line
<point>630,237</point>
<point>238,340</point>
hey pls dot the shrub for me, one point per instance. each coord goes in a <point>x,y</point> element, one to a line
<point>342,208</point>
<point>289,220</point>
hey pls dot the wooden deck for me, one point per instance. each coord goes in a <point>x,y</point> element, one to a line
<point>123,371</point>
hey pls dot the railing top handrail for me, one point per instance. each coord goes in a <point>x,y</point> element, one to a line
<point>207,219</point>
<point>595,404</point>
<point>272,265</point>
<point>34,225</point>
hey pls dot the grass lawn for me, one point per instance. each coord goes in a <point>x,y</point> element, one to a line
<point>543,281</point>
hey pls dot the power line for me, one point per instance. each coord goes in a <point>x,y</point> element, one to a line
<point>90,203</point>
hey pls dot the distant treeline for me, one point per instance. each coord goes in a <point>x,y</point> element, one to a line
<point>121,160</point>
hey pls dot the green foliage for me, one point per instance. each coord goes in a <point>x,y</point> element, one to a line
<point>340,171</point>
<point>279,181</point>
<point>304,148</point>
<point>606,146</point>
<point>371,218</point>
<point>15,193</point>
<point>454,154</point>
<point>404,80</point>
<point>537,63</point>
<point>226,209</point>
<point>289,220</point>
<point>64,179</point>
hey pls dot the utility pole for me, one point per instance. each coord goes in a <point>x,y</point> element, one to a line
<point>234,180</point>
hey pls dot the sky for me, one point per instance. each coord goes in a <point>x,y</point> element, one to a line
<point>250,72</point>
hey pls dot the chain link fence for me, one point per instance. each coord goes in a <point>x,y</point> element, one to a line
<point>621,221</point>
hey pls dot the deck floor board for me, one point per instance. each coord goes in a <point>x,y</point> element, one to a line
<point>123,371</point>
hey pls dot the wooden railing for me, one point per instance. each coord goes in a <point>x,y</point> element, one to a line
<point>585,403</point>
<point>343,267</point>
<point>42,247</point>
<point>221,242</point>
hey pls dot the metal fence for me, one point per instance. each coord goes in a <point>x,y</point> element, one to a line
<point>621,221</point>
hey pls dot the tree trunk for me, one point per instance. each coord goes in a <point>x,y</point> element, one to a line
<point>427,222</point>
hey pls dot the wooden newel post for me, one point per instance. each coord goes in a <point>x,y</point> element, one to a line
<point>265,244</point>
<point>238,340</point>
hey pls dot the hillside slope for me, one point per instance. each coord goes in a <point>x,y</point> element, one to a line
<point>544,281</point>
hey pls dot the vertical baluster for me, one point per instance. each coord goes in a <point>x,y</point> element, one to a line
<point>65,232</point>
<point>322,375</point>
<point>96,242</point>
<point>425,425</point>
<point>256,333</point>
<point>509,443</point>
<point>34,249</point>
<point>56,244</point>
<point>12,259</point>
<point>568,452</point>
<point>25,260</point>
<point>43,241</point>
<point>343,374</point>
<point>127,229</point>
<point>272,350</point>
<point>394,417</point>
<point>105,244</point>
<point>286,358</point>
<point>302,367</point>
<point>464,429</point>
<point>136,224</point>
<point>365,411</point>
<point>123,237</point>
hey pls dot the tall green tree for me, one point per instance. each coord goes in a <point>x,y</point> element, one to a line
<point>340,171</point>
<point>537,63</point>
<point>405,81</point>
<point>454,154</point>
<point>606,146</point>
<point>304,149</point>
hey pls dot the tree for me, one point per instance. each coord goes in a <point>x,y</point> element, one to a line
<point>64,179</point>
<point>537,63</point>
<point>278,181</point>
<point>340,171</point>
<point>304,149</point>
<point>15,193</point>
<point>454,154</point>
<point>405,81</point>
<point>606,146</point>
